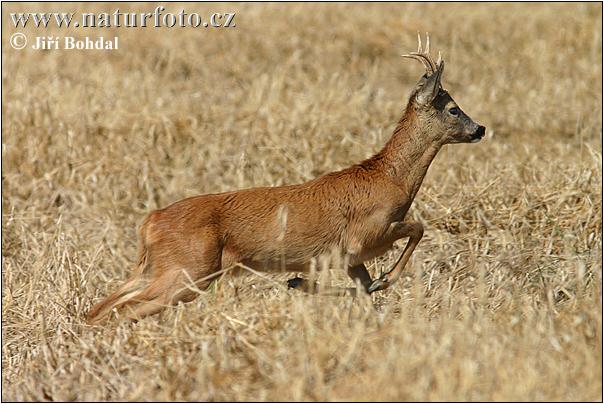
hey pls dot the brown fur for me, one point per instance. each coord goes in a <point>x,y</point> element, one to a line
<point>358,212</point>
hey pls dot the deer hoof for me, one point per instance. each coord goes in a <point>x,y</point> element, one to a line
<point>379,284</point>
<point>294,282</point>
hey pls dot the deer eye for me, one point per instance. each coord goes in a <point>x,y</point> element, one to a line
<point>454,111</point>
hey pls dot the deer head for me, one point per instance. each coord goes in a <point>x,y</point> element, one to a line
<point>436,111</point>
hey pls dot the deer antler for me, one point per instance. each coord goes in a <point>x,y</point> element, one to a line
<point>424,56</point>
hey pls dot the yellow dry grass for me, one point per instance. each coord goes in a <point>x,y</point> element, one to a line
<point>502,300</point>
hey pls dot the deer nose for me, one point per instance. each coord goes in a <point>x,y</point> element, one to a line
<point>478,134</point>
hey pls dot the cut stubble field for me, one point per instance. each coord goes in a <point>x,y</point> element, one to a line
<point>501,300</point>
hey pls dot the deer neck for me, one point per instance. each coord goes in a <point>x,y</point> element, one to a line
<point>408,154</point>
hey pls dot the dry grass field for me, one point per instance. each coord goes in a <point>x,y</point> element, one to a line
<point>501,301</point>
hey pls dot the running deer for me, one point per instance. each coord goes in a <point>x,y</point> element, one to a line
<point>359,212</point>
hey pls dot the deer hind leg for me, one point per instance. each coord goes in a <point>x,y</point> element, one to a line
<point>176,269</point>
<point>186,271</point>
<point>165,291</point>
<point>414,231</point>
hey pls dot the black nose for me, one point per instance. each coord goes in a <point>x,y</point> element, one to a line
<point>479,132</point>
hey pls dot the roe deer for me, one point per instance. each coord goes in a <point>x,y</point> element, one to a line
<point>359,212</point>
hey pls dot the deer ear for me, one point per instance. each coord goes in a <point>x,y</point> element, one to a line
<point>428,86</point>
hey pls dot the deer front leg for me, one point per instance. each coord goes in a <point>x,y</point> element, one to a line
<point>414,231</point>
<point>359,272</point>
<point>356,272</point>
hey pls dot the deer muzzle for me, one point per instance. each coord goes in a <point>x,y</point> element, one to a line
<point>478,134</point>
